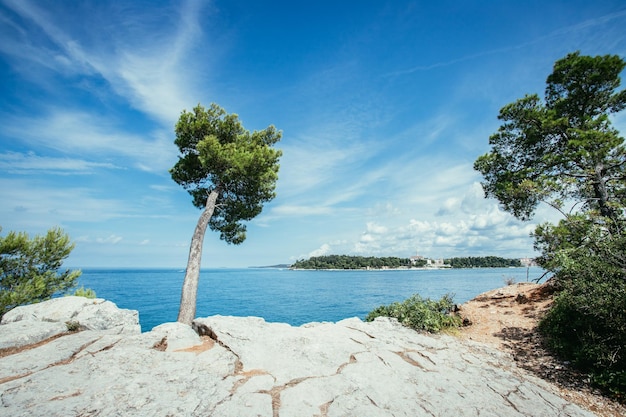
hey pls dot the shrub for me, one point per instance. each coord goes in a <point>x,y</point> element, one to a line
<point>509,281</point>
<point>85,292</point>
<point>72,326</point>
<point>30,269</point>
<point>587,323</point>
<point>421,314</point>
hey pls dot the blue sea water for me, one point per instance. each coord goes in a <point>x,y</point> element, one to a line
<point>290,296</point>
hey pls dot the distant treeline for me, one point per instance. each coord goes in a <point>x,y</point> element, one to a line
<point>351,262</point>
<point>364,262</point>
<point>482,262</point>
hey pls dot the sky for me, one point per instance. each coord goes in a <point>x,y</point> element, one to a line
<point>383,105</point>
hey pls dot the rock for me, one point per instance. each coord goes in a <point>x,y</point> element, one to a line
<point>28,332</point>
<point>522,299</point>
<point>255,368</point>
<point>90,313</point>
<point>177,336</point>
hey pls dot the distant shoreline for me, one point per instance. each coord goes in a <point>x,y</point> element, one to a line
<point>404,268</point>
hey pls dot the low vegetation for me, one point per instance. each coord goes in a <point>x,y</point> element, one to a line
<point>85,292</point>
<point>364,262</point>
<point>30,268</point>
<point>351,262</point>
<point>587,324</point>
<point>421,314</point>
<point>482,262</point>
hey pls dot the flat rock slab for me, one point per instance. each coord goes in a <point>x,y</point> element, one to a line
<point>88,313</point>
<point>353,368</point>
<point>254,368</point>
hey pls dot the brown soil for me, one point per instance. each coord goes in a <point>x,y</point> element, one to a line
<point>507,319</point>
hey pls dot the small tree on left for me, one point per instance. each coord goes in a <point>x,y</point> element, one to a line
<point>30,269</point>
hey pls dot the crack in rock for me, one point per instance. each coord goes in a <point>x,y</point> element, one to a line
<point>104,349</point>
<point>161,345</point>
<point>362,331</point>
<point>343,365</point>
<point>14,350</point>
<point>505,397</point>
<point>356,341</point>
<point>276,391</point>
<point>324,409</point>
<point>383,361</point>
<point>405,357</point>
<point>247,375</point>
<point>204,330</point>
<point>207,343</point>
<point>62,397</point>
<point>372,401</point>
<point>65,361</point>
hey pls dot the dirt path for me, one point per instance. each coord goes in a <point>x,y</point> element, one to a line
<point>507,318</point>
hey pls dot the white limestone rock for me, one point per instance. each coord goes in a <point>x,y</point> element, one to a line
<point>255,368</point>
<point>28,332</point>
<point>176,336</point>
<point>90,313</point>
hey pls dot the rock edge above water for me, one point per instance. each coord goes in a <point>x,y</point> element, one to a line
<point>244,366</point>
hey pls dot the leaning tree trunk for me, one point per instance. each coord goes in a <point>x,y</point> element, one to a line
<point>187,311</point>
<point>601,192</point>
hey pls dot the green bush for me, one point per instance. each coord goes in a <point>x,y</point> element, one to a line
<point>30,268</point>
<point>421,314</point>
<point>72,326</point>
<point>587,323</point>
<point>85,292</point>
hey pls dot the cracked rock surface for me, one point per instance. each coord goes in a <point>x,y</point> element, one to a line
<point>236,366</point>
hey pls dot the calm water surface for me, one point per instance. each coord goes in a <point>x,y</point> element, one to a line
<point>293,297</point>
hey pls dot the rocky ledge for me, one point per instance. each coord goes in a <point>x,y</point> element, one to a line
<point>243,366</point>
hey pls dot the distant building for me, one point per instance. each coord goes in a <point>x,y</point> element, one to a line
<point>528,262</point>
<point>435,263</point>
<point>429,263</point>
<point>415,259</point>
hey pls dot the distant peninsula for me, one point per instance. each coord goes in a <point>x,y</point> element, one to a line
<point>370,262</point>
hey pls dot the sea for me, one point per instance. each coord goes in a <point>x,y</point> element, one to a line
<point>289,296</point>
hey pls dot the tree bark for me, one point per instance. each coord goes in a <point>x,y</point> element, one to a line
<point>601,192</point>
<point>189,294</point>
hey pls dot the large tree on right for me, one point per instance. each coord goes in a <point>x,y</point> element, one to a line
<point>565,152</point>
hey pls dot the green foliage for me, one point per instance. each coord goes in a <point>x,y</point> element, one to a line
<point>351,262</point>
<point>482,262</point>
<point>421,314</point>
<point>419,263</point>
<point>85,292</point>
<point>587,324</point>
<point>218,154</point>
<point>72,326</point>
<point>30,268</point>
<point>363,262</point>
<point>567,151</point>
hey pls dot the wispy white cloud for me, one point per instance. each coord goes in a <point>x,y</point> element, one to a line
<point>321,251</point>
<point>467,225</point>
<point>28,203</point>
<point>86,133</point>
<point>20,163</point>
<point>111,239</point>
<point>144,60</point>
<point>291,210</point>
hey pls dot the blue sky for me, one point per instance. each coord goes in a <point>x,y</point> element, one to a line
<point>384,106</point>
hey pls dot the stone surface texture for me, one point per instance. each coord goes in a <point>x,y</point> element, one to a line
<point>244,366</point>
